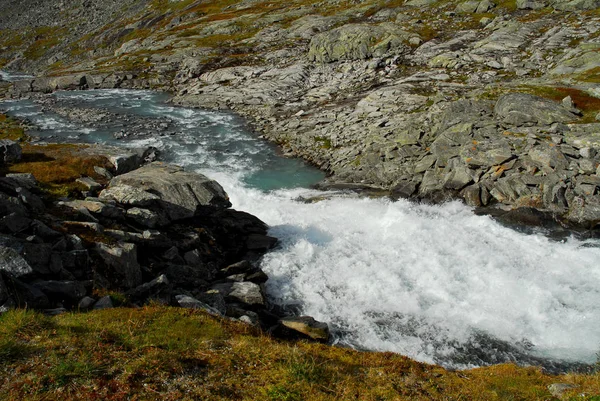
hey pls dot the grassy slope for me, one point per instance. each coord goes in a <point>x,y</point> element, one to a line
<point>168,353</point>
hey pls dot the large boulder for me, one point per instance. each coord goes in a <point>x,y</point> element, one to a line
<point>524,109</point>
<point>177,193</point>
<point>356,42</point>
<point>575,5</point>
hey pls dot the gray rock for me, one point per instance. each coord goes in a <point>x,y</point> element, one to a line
<point>259,242</point>
<point>157,290</point>
<point>89,184</point>
<point>143,217</point>
<point>531,4</point>
<point>104,303</point>
<point>585,211</point>
<point>122,259</point>
<point>4,294</point>
<point>307,326</point>
<point>11,204</point>
<point>186,301</point>
<point>25,180</point>
<point>14,223</point>
<point>85,303</point>
<point>13,263</point>
<point>71,291</point>
<point>32,201</point>
<point>558,389</point>
<point>356,42</point>
<point>520,109</point>
<point>247,293</point>
<point>10,151</point>
<point>182,194</point>
<point>129,195</point>
<point>575,5</point>
<point>103,172</point>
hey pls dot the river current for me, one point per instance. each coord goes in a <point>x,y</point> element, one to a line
<point>436,283</point>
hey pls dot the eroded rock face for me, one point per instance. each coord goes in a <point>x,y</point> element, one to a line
<point>177,193</point>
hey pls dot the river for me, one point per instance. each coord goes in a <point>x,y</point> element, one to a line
<point>436,283</point>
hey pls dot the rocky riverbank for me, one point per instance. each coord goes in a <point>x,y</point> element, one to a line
<point>492,103</point>
<point>135,231</point>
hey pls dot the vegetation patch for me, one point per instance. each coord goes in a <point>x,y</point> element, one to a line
<point>159,352</point>
<point>11,129</point>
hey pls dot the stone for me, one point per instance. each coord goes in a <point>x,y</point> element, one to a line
<point>157,290</point>
<point>237,268</point>
<point>129,195</point>
<point>186,301</point>
<point>584,211</point>
<point>521,108</point>
<point>85,303</point>
<point>28,296</point>
<point>531,4</point>
<point>247,293</point>
<point>14,223</point>
<point>104,303</point>
<point>356,42</point>
<point>558,389</point>
<point>122,260</point>
<point>13,263</point>
<point>69,291</point>
<point>259,242</point>
<point>180,194</point>
<point>32,201</point>
<point>89,184</point>
<point>143,217</point>
<point>10,151</point>
<point>4,294</point>
<point>25,180</point>
<point>306,326</point>
<point>103,172</point>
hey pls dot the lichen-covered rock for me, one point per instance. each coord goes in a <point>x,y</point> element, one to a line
<point>306,326</point>
<point>13,263</point>
<point>575,5</point>
<point>356,42</point>
<point>177,193</point>
<point>521,108</point>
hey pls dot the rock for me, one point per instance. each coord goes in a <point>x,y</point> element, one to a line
<point>584,211</point>
<point>247,293</point>
<point>156,290</point>
<point>531,4</point>
<point>104,303</point>
<point>121,259</point>
<point>186,301</point>
<point>520,108</point>
<point>33,202</point>
<point>103,172</point>
<point>89,184</point>
<point>259,242</point>
<point>85,303</point>
<point>143,217</point>
<point>558,389</point>
<point>25,180</point>
<point>4,294</point>
<point>236,268</point>
<point>356,42</point>
<point>69,291</point>
<point>27,296</point>
<point>10,152</point>
<point>12,263</point>
<point>306,326</point>
<point>129,196</point>
<point>14,223</point>
<point>575,5</point>
<point>181,194</point>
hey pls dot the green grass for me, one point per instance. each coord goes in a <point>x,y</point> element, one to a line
<point>166,353</point>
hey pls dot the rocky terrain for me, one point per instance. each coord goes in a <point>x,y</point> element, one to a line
<point>138,231</point>
<point>491,102</point>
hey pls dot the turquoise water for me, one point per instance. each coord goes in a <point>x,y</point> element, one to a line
<point>210,139</point>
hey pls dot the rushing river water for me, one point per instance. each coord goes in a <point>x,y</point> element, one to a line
<point>436,283</point>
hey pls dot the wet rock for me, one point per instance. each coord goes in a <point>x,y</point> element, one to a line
<point>258,242</point>
<point>304,326</point>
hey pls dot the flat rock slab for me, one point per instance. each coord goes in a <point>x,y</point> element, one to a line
<point>306,326</point>
<point>180,194</point>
